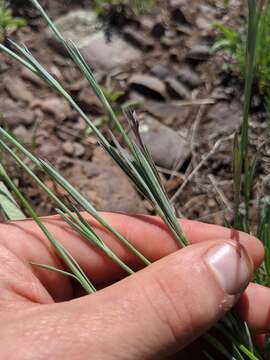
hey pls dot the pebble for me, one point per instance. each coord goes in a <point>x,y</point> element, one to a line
<point>17,89</point>
<point>168,149</point>
<point>177,89</point>
<point>199,52</point>
<point>189,77</point>
<point>149,86</point>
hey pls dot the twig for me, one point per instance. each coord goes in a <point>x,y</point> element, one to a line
<point>219,191</point>
<point>198,167</point>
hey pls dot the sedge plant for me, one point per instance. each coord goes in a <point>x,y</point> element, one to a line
<point>131,155</point>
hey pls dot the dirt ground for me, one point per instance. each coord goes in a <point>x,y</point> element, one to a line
<point>178,82</point>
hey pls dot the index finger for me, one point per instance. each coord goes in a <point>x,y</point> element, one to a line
<point>149,234</point>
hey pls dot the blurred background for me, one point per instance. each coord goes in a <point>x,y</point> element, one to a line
<point>178,63</point>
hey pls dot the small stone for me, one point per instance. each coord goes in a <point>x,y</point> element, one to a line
<point>160,71</point>
<point>23,134</point>
<point>68,148</point>
<point>107,55</point>
<point>75,26</point>
<point>189,77</point>
<point>168,149</point>
<point>30,76</point>
<point>17,89</point>
<point>79,150</point>
<point>177,89</point>
<point>204,24</point>
<point>88,101</point>
<point>47,149</point>
<point>199,52</point>
<point>73,149</point>
<point>168,112</point>
<point>138,39</point>
<point>57,107</point>
<point>224,117</point>
<point>148,85</point>
<point>13,114</point>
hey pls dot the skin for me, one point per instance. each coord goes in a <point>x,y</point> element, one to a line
<point>152,314</point>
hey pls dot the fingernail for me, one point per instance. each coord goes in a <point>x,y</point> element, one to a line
<point>231,266</point>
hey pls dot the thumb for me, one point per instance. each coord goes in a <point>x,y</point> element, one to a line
<point>149,315</point>
<point>164,307</point>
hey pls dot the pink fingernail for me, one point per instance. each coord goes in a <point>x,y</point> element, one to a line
<point>231,267</point>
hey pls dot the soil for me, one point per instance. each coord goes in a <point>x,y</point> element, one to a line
<point>181,85</point>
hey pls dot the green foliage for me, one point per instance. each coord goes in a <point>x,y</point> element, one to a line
<point>10,210</point>
<point>234,43</point>
<point>7,21</point>
<point>231,42</point>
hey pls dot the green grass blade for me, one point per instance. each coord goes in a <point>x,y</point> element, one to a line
<point>8,205</point>
<point>69,261</point>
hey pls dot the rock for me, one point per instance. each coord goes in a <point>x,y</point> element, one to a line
<point>177,89</point>
<point>17,89</point>
<point>199,52</point>
<point>76,26</point>
<point>106,185</point>
<point>168,149</point>
<point>189,77</point>
<point>160,71</point>
<point>148,85</point>
<point>224,117</point>
<point>88,101</point>
<point>23,134</point>
<point>47,149</point>
<point>30,76</point>
<point>204,24</point>
<point>73,149</point>
<point>168,112</point>
<point>138,39</point>
<point>13,114</point>
<point>79,150</point>
<point>57,107</point>
<point>107,55</point>
<point>81,27</point>
<point>68,148</point>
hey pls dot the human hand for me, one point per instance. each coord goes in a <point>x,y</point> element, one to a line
<point>149,315</point>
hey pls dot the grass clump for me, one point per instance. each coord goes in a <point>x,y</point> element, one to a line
<point>135,160</point>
